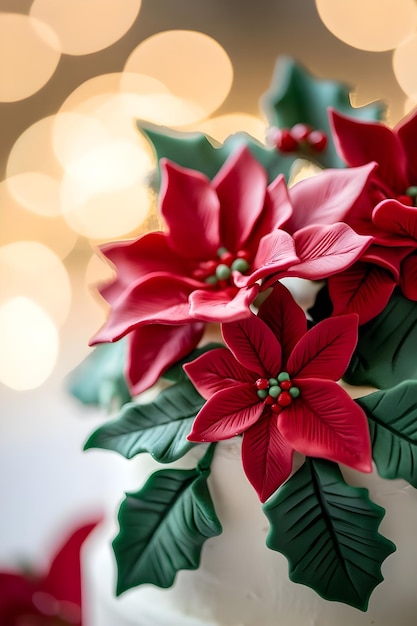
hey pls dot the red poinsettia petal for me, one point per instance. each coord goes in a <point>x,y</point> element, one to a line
<point>363,289</point>
<point>191,209</point>
<point>406,130</point>
<point>326,250</point>
<point>267,457</point>
<point>387,257</point>
<point>16,596</point>
<point>240,185</point>
<point>216,370</point>
<point>155,347</point>
<point>276,252</point>
<point>254,345</point>
<point>227,413</point>
<point>328,197</point>
<point>162,299</point>
<point>397,218</point>
<point>326,349</point>
<point>63,581</point>
<point>325,422</point>
<point>222,306</point>
<point>361,142</point>
<point>409,277</point>
<point>284,317</point>
<point>134,259</point>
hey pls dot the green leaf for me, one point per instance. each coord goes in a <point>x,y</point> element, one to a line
<point>296,96</point>
<point>197,151</point>
<point>392,416</point>
<point>159,427</point>
<point>328,531</point>
<point>176,372</point>
<point>386,351</point>
<point>163,527</point>
<point>99,380</point>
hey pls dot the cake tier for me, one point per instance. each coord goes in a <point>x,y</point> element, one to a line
<point>240,582</point>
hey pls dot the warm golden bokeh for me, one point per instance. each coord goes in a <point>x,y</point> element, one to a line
<point>30,344</point>
<point>86,26</point>
<point>375,25</point>
<point>19,224</point>
<point>405,66</point>
<point>30,269</point>
<point>29,52</point>
<point>194,66</point>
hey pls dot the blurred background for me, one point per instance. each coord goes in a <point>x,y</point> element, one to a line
<point>74,76</point>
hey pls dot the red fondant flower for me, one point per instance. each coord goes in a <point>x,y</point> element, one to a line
<point>276,385</point>
<point>51,599</point>
<point>388,213</point>
<point>222,238</point>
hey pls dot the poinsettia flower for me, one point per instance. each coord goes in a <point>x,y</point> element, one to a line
<point>388,212</point>
<point>224,240</point>
<point>51,599</point>
<point>275,383</point>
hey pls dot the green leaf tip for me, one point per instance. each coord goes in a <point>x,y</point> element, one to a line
<point>328,531</point>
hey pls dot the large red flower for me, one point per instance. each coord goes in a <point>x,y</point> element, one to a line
<point>276,385</point>
<point>388,213</point>
<point>224,240</point>
<point>46,599</point>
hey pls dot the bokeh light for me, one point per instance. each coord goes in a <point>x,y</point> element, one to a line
<point>30,344</point>
<point>104,192</point>
<point>405,66</point>
<point>86,26</point>
<point>221,127</point>
<point>369,24</point>
<point>30,269</point>
<point>29,52</point>
<point>194,66</point>
<point>19,224</point>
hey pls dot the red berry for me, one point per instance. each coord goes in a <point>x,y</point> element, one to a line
<point>262,383</point>
<point>285,385</point>
<point>284,399</point>
<point>276,408</point>
<point>227,258</point>
<point>270,400</point>
<point>317,140</point>
<point>300,131</point>
<point>243,254</point>
<point>405,200</point>
<point>284,141</point>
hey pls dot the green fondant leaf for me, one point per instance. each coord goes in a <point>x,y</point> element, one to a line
<point>328,531</point>
<point>159,427</point>
<point>296,96</point>
<point>386,351</point>
<point>99,379</point>
<point>196,151</point>
<point>176,372</point>
<point>392,416</point>
<point>163,528</point>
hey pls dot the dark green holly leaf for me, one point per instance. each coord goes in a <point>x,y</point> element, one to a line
<point>197,151</point>
<point>386,351</point>
<point>159,427</point>
<point>328,531</point>
<point>163,528</point>
<point>99,379</point>
<point>392,416</point>
<point>176,372</point>
<point>296,96</point>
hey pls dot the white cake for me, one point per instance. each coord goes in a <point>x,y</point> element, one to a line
<point>240,582</point>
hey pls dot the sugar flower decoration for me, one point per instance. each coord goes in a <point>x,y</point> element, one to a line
<point>275,383</point>
<point>224,240</point>
<point>387,212</point>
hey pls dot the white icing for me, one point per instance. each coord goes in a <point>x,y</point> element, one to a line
<point>240,581</point>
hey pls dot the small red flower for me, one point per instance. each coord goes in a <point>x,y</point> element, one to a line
<point>51,599</point>
<point>301,407</point>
